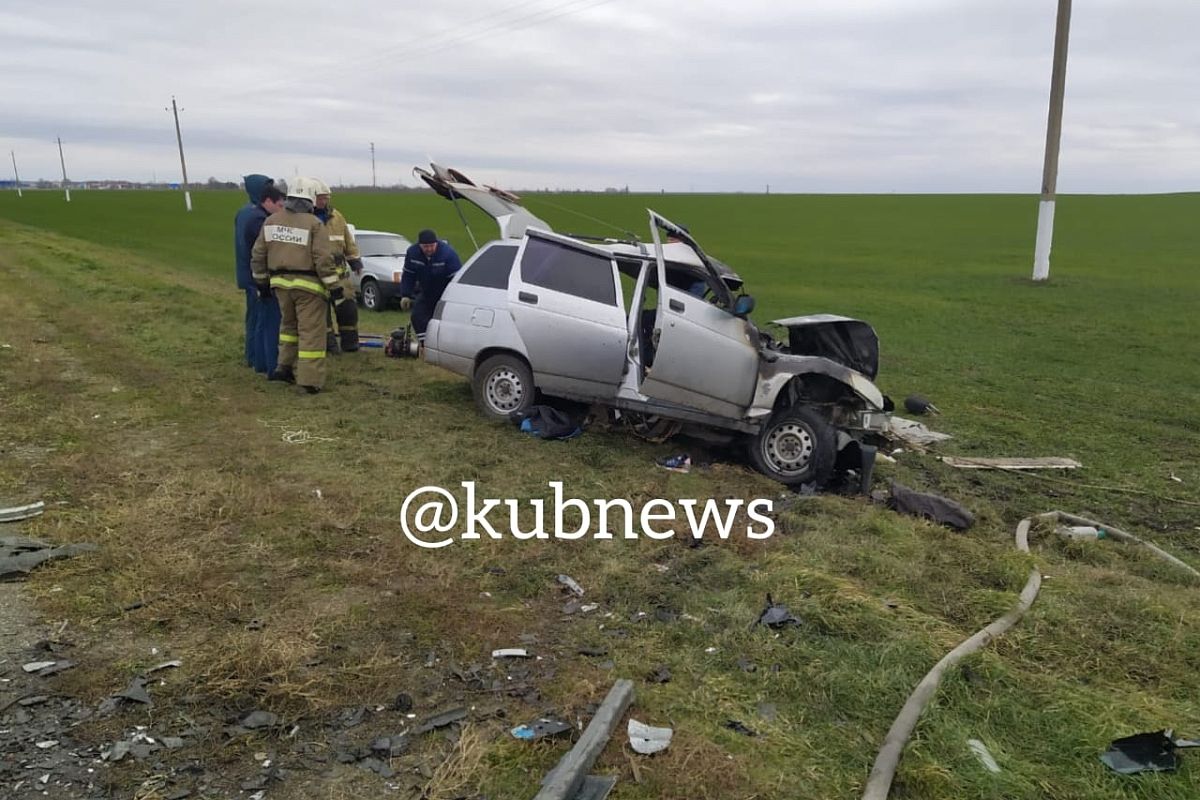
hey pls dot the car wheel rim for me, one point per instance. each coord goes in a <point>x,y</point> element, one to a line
<point>504,390</point>
<point>789,448</point>
<point>369,295</point>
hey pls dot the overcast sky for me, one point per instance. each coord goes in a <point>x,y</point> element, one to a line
<point>682,95</point>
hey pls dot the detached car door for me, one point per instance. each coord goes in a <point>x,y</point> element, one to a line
<point>564,298</point>
<point>704,357</point>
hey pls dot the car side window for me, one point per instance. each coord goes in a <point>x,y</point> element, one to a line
<point>491,268</point>
<point>567,270</point>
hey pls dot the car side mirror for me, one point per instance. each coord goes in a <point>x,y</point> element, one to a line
<point>743,306</point>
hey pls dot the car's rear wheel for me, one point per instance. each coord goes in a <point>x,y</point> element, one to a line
<point>372,298</point>
<point>503,385</point>
<point>796,446</point>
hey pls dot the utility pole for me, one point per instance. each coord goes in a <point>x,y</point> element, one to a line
<point>373,165</point>
<point>63,162</point>
<point>16,174</point>
<point>187,195</point>
<point>1058,82</point>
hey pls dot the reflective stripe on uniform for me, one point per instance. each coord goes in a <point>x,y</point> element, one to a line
<point>330,279</point>
<point>289,338</point>
<point>312,353</point>
<point>284,282</point>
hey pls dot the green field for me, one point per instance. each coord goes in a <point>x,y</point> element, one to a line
<point>124,400</point>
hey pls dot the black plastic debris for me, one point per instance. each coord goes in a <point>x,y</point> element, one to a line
<point>390,746</point>
<point>929,506</point>
<point>660,674</point>
<point>1145,752</point>
<point>737,726</point>
<point>403,703</point>
<point>776,616</point>
<point>540,729</point>
<point>919,404</point>
<point>135,692</point>
<point>441,720</point>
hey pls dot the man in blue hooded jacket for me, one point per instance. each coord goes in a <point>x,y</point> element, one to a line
<point>430,263</point>
<point>262,311</point>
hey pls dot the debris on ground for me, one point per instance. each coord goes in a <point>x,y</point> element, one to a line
<point>660,674</point>
<point>985,757</point>
<point>913,433</point>
<point>547,422</point>
<point>441,720</point>
<point>737,726</point>
<point>569,778</point>
<point>540,729</point>
<point>17,513</point>
<point>20,554</point>
<point>1046,462</point>
<point>1145,752</point>
<point>571,585</point>
<point>680,462</point>
<point>511,652</point>
<point>776,615</point>
<point>646,739</point>
<point>929,506</point>
<point>919,404</point>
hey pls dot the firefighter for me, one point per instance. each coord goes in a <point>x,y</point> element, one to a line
<point>292,257</point>
<point>431,262</point>
<point>345,258</point>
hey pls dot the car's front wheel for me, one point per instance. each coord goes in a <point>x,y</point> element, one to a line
<point>372,298</point>
<point>796,446</point>
<point>503,385</point>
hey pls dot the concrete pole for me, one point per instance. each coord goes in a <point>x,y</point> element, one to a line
<point>1058,82</point>
<point>63,162</point>
<point>187,195</point>
<point>372,165</point>
<point>16,175</point>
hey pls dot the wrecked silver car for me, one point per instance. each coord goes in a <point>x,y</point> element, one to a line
<point>658,330</point>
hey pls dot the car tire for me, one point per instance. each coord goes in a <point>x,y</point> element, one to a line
<point>795,447</point>
<point>503,386</point>
<point>372,298</point>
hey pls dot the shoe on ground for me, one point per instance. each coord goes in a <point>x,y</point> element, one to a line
<point>677,463</point>
<point>311,389</point>
<point>285,375</point>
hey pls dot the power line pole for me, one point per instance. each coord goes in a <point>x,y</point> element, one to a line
<point>63,162</point>
<point>1058,83</point>
<point>187,195</point>
<point>16,174</point>
<point>373,165</point>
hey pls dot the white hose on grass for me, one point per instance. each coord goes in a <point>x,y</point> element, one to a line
<point>879,783</point>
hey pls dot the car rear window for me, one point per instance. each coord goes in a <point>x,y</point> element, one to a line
<point>374,245</point>
<point>491,268</point>
<point>564,269</point>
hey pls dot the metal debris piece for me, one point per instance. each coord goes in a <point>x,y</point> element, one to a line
<point>646,739</point>
<point>571,584</point>
<point>913,433</point>
<point>1048,462</point>
<point>20,554</point>
<point>569,775</point>
<point>38,666</point>
<point>164,665</point>
<point>17,513</point>
<point>135,692</point>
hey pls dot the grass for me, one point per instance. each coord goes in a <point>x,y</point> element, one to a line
<point>123,400</point>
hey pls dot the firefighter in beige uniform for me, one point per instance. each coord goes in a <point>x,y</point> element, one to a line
<point>293,255</point>
<point>345,258</point>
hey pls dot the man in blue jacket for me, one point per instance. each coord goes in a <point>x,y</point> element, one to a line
<point>431,262</point>
<point>262,311</point>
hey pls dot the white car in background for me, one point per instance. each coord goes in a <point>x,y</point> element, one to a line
<point>383,261</point>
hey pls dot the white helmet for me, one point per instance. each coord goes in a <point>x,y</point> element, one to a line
<point>304,188</point>
<point>321,187</point>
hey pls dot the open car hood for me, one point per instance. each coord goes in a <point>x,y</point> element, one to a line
<point>504,207</point>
